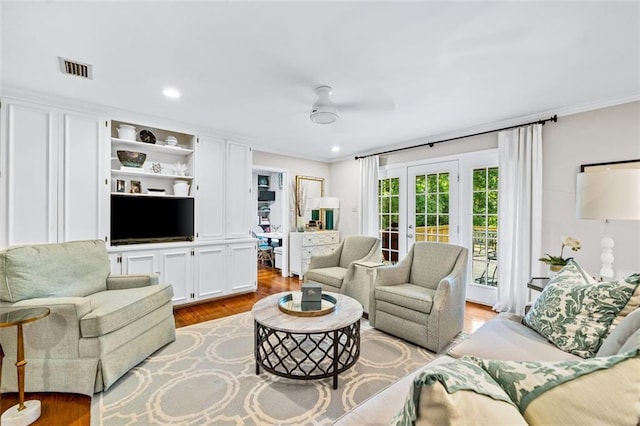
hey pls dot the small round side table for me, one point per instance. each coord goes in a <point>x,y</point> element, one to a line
<point>21,413</point>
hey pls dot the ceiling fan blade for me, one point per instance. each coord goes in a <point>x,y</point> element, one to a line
<point>368,105</point>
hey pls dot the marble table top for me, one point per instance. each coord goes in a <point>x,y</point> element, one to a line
<point>267,313</point>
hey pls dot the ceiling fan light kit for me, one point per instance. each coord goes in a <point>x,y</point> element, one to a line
<point>323,110</point>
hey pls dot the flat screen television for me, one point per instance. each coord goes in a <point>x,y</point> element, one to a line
<point>137,220</point>
<point>267,196</point>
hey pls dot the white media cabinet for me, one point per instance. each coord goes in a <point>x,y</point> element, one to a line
<point>58,170</point>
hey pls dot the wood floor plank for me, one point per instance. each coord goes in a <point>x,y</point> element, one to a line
<point>60,409</point>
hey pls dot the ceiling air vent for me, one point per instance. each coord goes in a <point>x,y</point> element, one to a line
<point>67,66</point>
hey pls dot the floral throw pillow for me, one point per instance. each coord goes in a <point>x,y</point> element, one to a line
<point>575,315</point>
<point>447,401</point>
<point>602,390</point>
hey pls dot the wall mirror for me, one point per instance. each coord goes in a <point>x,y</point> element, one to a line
<point>308,189</point>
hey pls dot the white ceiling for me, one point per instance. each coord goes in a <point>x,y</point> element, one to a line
<point>407,69</point>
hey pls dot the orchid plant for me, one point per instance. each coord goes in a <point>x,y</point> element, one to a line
<point>567,241</point>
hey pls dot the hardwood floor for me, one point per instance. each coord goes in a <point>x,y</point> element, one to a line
<point>74,410</point>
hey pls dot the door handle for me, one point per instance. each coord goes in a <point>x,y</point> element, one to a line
<point>409,235</point>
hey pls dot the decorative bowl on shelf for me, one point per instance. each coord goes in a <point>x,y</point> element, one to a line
<point>172,140</point>
<point>131,158</point>
<point>156,191</point>
<point>147,137</point>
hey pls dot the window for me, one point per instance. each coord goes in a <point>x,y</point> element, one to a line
<point>432,207</point>
<point>485,225</point>
<point>389,204</point>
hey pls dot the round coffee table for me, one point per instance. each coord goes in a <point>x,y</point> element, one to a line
<point>307,347</point>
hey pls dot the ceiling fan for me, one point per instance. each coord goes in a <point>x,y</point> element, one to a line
<point>324,111</point>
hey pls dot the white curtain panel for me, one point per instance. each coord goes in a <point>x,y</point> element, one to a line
<point>519,214</point>
<point>368,202</point>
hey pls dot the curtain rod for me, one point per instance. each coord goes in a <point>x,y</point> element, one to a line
<point>431,144</point>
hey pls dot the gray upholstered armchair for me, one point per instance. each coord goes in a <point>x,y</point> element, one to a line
<point>337,270</point>
<point>421,299</point>
<point>100,326</point>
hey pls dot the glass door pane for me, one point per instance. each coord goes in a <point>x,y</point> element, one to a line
<point>433,203</point>
<point>485,226</point>
<point>389,214</point>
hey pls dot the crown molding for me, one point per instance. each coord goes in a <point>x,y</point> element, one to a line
<point>514,121</point>
<point>120,114</point>
<point>162,122</point>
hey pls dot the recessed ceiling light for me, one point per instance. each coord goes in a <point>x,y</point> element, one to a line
<point>170,92</point>
<point>335,148</point>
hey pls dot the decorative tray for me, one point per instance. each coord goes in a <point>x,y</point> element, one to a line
<point>286,305</point>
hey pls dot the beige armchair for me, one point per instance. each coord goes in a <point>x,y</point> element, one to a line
<point>337,271</point>
<point>100,326</point>
<point>421,299</point>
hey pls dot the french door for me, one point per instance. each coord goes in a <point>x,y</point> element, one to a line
<point>432,203</point>
<point>453,201</point>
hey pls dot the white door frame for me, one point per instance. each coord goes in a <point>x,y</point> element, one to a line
<point>482,294</point>
<point>284,271</point>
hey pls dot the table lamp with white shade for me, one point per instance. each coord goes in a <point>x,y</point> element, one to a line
<point>609,194</point>
<point>329,204</point>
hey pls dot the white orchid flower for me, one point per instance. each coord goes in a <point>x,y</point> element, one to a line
<point>571,242</point>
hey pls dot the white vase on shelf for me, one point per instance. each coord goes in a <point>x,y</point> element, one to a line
<point>181,188</point>
<point>300,223</point>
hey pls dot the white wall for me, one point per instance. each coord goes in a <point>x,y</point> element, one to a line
<point>608,134</point>
<point>345,181</point>
<point>476,143</point>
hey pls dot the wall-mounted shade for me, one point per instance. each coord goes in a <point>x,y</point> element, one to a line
<point>612,194</point>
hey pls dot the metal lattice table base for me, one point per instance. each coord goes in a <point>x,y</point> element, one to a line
<point>307,355</point>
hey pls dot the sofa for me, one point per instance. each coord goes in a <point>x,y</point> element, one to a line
<point>99,327</point>
<point>607,394</point>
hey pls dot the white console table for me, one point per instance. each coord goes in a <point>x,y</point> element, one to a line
<point>303,245</point>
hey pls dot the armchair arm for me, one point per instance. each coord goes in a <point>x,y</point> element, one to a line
<point>394,274</point>
<point>360,284</point>
<point>326,260</point>
<point>446,319</point>
<point>55,336</point>
<point>121,282</point>
<point>72,308</point>
<point>374,255</point>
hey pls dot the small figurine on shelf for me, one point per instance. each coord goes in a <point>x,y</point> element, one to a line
<point>156,168</point>
<point>180,169</point>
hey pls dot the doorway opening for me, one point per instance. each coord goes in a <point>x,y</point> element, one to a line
<point>271,220</point>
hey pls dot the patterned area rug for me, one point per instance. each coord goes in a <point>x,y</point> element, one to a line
<point>207,376</point>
